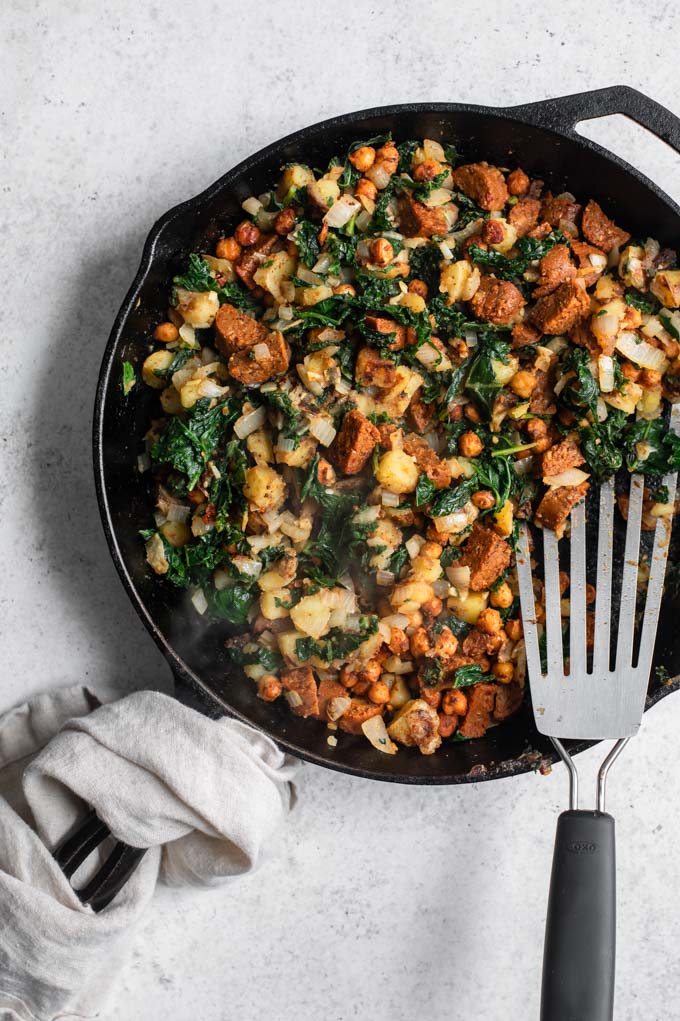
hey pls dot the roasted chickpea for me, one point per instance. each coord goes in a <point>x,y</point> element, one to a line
<point>365,189</point>
<point>285,221</point>
<point>415,619</point>
<point>489,621</point>
<point>166,333</point>
<point>345,289</point>
<point>470,445</point>
<point>447,725</point>
<point>228,248</point>
<point>269,687</point>
<point>418,287</point>
<point>420,642</point>
<point>483,499</point>
<point>455,413</point>
<point>382,252</point>
<point>427,170</point>
<point>502,597</point>
<point>518,182</point>
<point>564,582</point>
<point>493,232</point>
<point>379,693</point>
<point>399,643</point>
<point>523,383</point>
<point>348,678</point>
<point>454,702</point>
<point>371,671</point>
<point>325,472</point>
<point>590,594</point>
<point>433,607</point>
<point>361,687</point>
<point>446,644</point>
<point>650,378</point>
<point>514,629</point>
<point>503,672</point>
<point>247,233</point>
<point>460,348</point>
<point>472,414</point>
<point>540,613</point>
<point>363,158</point>
<point>388,157</point>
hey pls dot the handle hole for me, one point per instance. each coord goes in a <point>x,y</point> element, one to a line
<point>637,146</point>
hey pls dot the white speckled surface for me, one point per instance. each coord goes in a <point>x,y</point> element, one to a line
<point>385,902</point>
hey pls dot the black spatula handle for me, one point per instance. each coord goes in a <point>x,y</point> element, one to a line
<point>580,935</point>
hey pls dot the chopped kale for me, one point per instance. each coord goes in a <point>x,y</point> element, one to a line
<point>425,490</point>
<point>529,249</point>
<point>267,658</point>
<point>481,383</point>
<point>645,303</point>
<point>447,501</point>
<point>307,240</point>
<point>337,644</point>
<point>467,675</point>
<point>129,378</point>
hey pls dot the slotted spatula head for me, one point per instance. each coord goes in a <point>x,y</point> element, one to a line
<point>602,696</point>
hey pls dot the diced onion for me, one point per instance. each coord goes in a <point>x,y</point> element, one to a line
<point>605,370</point>
<point>188,335</point>
<point>246,566</point>
<point>332,741</point>
<point>414,546</point>
<point>322,264</point>
<point>459,577</point>
<point>201,527</point>
<point>394,665</point>
<point>342,386</point>
<point>337,707</point>
<point>222,578</point>
<point>342,211</point>
<point>570,477</point>
<point>438,197</point>
<point>599,261</point>
<point>445,250</point>
<point>199,600</point>
<point>251,206</point>
<point>399,620</point>
<point>384,578</point>
<point>607,325</point>
<point>322,429</point>
<point>389,499</point>
<point>307,277</point>
<point>642,353</point>
<point>429,356</point>
<point>248,423</point>
<point>260,352</point>
<point>440,587</point>
<point>363,220</point>
<point>562,382</point>
<point>367,515</point>
<point>178,512</point>
<point>375,731</point>
<point>455,522</point>
<point>293,698</point>
<point>143,463</point>
<point>379,176</point>
<point>287,443</point>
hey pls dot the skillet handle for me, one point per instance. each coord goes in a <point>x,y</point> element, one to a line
<point>565,112</point>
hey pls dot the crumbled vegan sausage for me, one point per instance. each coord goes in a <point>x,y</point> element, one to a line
<point>301,682</point>
<point>560,457</point>
<point>555,268</point>
<point>234,330</point>
<point>249,369</point>
<point>374,370</point>
<point>481,701</point>
<point>252,258</point>
<point>483,183</point>
<point>556,505</point>
<point>487,556</point>
<point>600,230</point>
<point>559,311</point>
<point>418,220</point>
<point>524,215</point>
<point>557,208</point>
<point>497,301</point>
<point>355,442</point>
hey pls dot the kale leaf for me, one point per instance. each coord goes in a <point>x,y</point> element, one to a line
<point>337,644</point>
<point>307,241</point>
<point>425,490</point>
<point>467,675</point>
<point>481,383</point>
<point>447,501</point>
<point>129,378</point>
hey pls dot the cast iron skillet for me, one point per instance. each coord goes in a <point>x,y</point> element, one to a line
<point>539,137</point>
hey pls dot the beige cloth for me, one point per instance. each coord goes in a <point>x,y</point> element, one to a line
<point>207,797</point>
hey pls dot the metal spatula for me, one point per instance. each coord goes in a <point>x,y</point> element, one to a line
<point>605,701</point>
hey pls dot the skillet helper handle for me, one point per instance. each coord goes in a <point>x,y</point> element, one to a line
<point>565,112</point>
<point>580,935</point>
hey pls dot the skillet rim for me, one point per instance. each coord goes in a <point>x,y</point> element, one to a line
<point>534,115</point>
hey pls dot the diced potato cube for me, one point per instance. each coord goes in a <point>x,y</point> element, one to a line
<point>409,595</point>
<point>301,457</point>
<point>264,488</point>
<point>274,272</point>
<point>397,471</point>
<point>259,445</point>
<point>459,281</point>
<point>469,607</point>
<point>270,604</point>
<point>311,615</point>
<point>503,520</point>
<point>198,308</point>
<point>295,176</point>
<point>666,287</point>
<point>323,193</point>
<point>177,533</point>
<point>158,361</point>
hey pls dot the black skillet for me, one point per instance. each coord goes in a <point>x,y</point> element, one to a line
<point>539,137</point>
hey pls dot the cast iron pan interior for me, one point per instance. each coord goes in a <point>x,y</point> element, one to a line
<point>539,138</point>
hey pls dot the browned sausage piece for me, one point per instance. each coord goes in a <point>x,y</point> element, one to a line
<point>477,644</point>
<point>483,183</point>
<point>249,369</point>
<point>524,215</point>
<point>419,221</point>
<point>359,711</point>
<point>382,325</point>
<point>302,682</point>
<point>555,209</point>
<point>542,400</point>
<point>555,268</point>
<point>252,258</point>
<point>600,230</point>
<point>518,182</point>
<point>419,414</point>
<point>355,442</point>
<point>588,272</point>
<point>562,456</point>
<point>234,330</point>
<point>508,700</point>
<point>559,311</point>
<point>487,556</point>
<point>373,370</point>
<point>436,470</point>
<point>523,334</point>
<point>556,505</point>
<point>497,301</point>
<point>481,700</point>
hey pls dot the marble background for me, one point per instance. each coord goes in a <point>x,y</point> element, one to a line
<point>384,902</point>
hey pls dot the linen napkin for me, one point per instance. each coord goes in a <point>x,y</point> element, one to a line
<point>207,798</point>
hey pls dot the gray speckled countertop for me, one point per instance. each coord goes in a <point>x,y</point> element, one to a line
<point>384,902</point>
